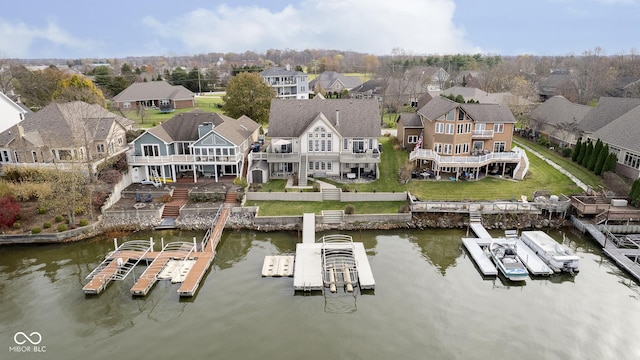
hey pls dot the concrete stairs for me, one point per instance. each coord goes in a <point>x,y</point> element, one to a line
<point>329,194</point>
<point>332,216</point>
<point>302,172</point>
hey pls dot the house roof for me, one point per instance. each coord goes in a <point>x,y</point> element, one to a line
<point>494,113</point>
<point>280,71</point>
<point>410,119</point>
<point>328,78</point>
<point>63,125</point>
<point>622,132</point>
<point>559,110</point>
<point>357,117</point>
<point>553,83</point>
<point>184,126</point>
<point>608,109</point>
<point>153,90</point>
<point>484,97</point>
<point>237,131</point>
<point>373,86</point>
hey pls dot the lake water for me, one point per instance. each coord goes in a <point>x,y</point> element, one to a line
<point>430,302</point>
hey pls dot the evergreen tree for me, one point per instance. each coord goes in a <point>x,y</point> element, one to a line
<point>583,151</point>
<point>602,158</point>
<point>610,164</point>
<point>576,150</point>
<point>634,194</point>
<point>587,154</point>
<point>591,164</point>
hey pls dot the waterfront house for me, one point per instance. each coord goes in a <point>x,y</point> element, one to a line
<point>461,141</point>
<point>287,83</point>
<point>193,144</point>
<point>63,135</point>
<point>154,95</point>
<point>319,138</point>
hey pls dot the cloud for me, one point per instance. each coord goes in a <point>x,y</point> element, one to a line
<point>19,39</point>
<point>415,26</point>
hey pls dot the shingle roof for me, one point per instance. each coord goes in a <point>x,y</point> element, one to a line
<point>559,110</point>
<point>280,71</point>
<point>375,86</point>
<point>328,78</point>
<point>63,124</point>
<point>608,109</point>
<point>494,113</point>
<point>153,90</point>
<point>357,118</point>
<point>483,97</point>
<point>237,131</point>
<point>623,132</point>
<point>410,119</point>
<point>184,126</point>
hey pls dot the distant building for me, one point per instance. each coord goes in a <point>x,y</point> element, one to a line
<point>287,83</point>
<point>155,94</point>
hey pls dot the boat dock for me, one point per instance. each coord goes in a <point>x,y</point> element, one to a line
<point>179,261</point>
<point>277,266</point>
<point>474,246</point>
<point>309,269</point>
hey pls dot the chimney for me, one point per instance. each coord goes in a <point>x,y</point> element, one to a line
<point>20,131</point>
<point>204,128</point>
<point>337,117</point>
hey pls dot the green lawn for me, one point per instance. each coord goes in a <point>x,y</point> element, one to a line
<point>153,117</point>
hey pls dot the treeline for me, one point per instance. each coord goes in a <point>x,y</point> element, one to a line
<point>596,157</point>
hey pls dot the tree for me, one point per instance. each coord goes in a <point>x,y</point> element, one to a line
<point>634,193</point>
<point>602,158</point>
<point>587,154</point>
<point>591,164</point>
<point>576,150</point>
<point>583,151</point>
<point>611,163</point>
<point>77,88</point>
<point>179,76</point>
<point>248,94</point>
<point>36,88</point>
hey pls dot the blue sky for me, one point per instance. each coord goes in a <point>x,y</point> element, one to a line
<point>80,29</point>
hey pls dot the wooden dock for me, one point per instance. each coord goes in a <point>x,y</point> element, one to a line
<point>119,263</point>
<point>480,257</point>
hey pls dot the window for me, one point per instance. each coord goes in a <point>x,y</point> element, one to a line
<point>15,155</point>
<point>632,160</point>
<point>370,143</point>
<point>310,143</point>
<point>345,144</point>
<point>439,128</point>
<point>100,148</point>
<point>150,150</point>
<point>329,166</point>
<point>126,105</point>
<point>437,147</point>
<point>447,148</point>
<point>499,146</point>
<point>451,115</point>
<point>358,146</point>
<point>412,139</point>
<point>65,155</point>
<point>498,128</point>
<point>460,114</point>
<point>310,165</point>
<point>35,156</point>
<point>480,126</point>
<point>462,148</point>
<point>467,128</point>
<point>4,156</point>
<point>449,129</point>
<point>460,129</point>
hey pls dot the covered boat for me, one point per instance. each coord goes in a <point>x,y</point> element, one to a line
<point>504,255</point>
<point>556,255</point>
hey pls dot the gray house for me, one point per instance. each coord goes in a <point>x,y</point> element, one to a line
<point>193,145</point>
<point>320,138</point>
<point>334,82</point>
<point>287,83</point>
<point>559,119</point>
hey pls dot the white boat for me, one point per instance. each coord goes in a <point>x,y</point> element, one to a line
<point>556,255</point>
<point>504,255</point>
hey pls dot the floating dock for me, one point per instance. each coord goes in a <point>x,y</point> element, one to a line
<point>277,266</point>
<point>486,266</point>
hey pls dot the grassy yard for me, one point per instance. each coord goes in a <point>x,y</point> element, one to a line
<point>153,117</point>
<point>278,208</point>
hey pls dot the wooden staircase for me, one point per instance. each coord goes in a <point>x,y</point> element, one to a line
<point>178,200</point>
<point>231,197</point>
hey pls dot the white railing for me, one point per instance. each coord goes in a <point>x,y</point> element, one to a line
<point>480,160</point>
<point>482,133</point>
<point>183,159</point>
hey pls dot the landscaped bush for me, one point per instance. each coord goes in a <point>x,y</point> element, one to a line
<point>17,225</point>
<point>566,151</point>
<point>110,177</point>
<point>9,210</point>
<point>58,218</point>
<point>36,230</point>
<point>99,198</point>
<point>165,198</point>
<point>46,225</point>
<point>83,222</point>
<point>42,210</point>
<point>205,197</point>
<point>62,227</point>
<point>350,209</point>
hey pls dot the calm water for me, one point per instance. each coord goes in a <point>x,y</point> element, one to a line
<point>430,302</point>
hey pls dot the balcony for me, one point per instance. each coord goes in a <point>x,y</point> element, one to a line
<point>184,159</point>
<point>361,157</point>
<point>464,161</point>
<point>482,134</point>
<point>275,157</point>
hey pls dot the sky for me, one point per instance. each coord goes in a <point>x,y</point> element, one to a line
<point>74,29</point>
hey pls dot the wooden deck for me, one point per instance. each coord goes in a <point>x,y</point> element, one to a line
<point>102,279</point>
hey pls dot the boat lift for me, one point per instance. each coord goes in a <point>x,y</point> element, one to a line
<point>339,263</point>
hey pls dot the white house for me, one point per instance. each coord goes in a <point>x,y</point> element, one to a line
<point>10,112</point>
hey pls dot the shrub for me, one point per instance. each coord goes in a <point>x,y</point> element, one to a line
<point>42,210</point>
<point>110,177</point>
<point>46,225</point>
<point>17,225</point>
<point>99,198</point>
<point>83,222</point>
<point>165,198</point>
<point>62,227</point>
<point>9,210</point>
<point>36,230</point>
<point>566,151</point>
<point>79,210</point>
<point>58,218</point>
<point>350,209</point>
<point>240,182</point>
